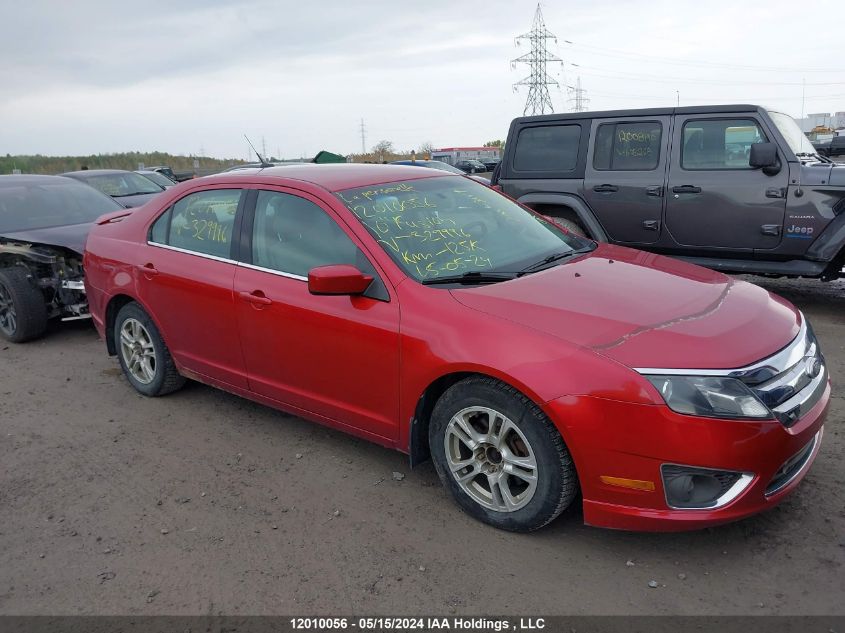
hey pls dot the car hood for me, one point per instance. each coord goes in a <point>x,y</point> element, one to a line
<point>72,237</point>
<point>645,310</point>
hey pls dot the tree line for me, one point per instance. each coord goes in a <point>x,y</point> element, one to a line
<point>39,164</point>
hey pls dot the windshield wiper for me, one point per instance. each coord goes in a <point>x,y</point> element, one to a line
<point>824,159</point>
<point>470,278</point>
<point>554,257</point>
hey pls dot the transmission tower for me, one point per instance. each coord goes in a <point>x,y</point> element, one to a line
<point>363,138</point>
<point>578,97</point>
<point>538,82</point>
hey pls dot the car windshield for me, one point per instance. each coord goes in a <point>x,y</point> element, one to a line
<point>157,178</point>
<point>445,226</point>
<point>122,184</point>
<point>795,138</point>
<point>38,205</point>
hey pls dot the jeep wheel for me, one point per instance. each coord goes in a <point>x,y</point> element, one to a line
<point>500,457</point>
<point>23,313</point>
<point>143,356</point>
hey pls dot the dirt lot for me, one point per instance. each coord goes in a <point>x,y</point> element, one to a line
<point>204,503</point>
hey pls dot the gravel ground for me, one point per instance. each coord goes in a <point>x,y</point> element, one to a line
<point>204,503</point>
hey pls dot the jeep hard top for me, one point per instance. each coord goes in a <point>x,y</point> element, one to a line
<point>735,187</point>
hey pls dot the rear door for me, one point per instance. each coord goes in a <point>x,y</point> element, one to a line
<point>715,199</point>
<point>625,176</point>
<point>186,280</point>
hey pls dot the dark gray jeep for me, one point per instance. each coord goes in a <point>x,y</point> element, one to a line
<point>737,188</point>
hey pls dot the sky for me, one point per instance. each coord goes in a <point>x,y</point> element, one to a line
<point>192,77</point>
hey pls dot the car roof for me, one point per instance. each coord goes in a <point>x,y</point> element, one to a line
<point>95,172</point>
<point>13,180</point>
<point>705,109</point>
<point>332,176</point>
<point>414,162</point>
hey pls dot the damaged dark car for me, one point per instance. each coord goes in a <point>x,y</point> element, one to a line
<point>44,222</point>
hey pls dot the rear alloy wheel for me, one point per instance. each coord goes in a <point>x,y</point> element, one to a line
<point>23,313</point>
<point>499,456</point>
<point>143,356</point>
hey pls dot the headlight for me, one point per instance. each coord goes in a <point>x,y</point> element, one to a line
<point>709,396</point>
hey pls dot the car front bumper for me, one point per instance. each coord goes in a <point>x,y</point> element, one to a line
<point>623,441</point>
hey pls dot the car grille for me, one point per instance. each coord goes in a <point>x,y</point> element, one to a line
<point>792,381</point>
<point>792,466</point>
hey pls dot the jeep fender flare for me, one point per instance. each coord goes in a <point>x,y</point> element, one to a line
<point>584,214</point>
<point>830,242</point>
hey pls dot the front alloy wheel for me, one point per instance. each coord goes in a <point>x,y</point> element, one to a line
<point>499,455</point>
<point>8,316</point>
<point>491,459</point>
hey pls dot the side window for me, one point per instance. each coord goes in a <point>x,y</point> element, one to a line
<point>201,222</point>
<point>719,143</point>
<point>293,235</point>
<point>628,146</point>
<point>547,148</point>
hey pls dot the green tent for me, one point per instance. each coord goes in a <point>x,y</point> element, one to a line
<point>327,157</point>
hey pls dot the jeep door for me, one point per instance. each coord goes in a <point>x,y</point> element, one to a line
<point>625,176</point>
<point>714,198</point>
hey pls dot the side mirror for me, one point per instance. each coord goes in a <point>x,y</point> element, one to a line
<point>337,279</point>
<point>765,156</point>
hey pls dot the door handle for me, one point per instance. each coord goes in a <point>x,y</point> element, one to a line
<point>656,191</point>
<point>605,188</point>
<point>651,225</point>
<point>686,189</point>
<point>148,270</point>
<point>776,192</point>
<point>256,298</point>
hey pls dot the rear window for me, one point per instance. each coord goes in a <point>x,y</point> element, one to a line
<point>549,148</point>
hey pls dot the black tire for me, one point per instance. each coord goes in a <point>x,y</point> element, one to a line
<point>165,377</point>
<point>569,225</point>
<point>23,313</point>
<point>556,478</point>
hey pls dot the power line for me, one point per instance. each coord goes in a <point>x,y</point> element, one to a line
<point>675,80</point>
<point>538,81</point>
<point>611,52</point>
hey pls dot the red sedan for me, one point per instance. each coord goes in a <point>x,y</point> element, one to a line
<point>433,315</point>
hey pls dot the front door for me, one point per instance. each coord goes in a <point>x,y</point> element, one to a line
<point>188,271</point>
<point>715,199</point>
<point>625,176</point>
<point>336,356</point>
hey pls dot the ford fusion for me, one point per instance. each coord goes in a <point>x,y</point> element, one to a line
<point>433,315</point>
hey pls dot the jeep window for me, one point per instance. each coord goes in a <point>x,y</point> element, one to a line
<point>547,148</point>
<point>719,143</point>
<point>201,222</point>
<point>628,146</point>
<point>449,225</point>
<point>795,138</point>
<point>27,206</point>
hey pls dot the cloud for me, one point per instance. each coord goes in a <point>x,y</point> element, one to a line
<point>96,76</point>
